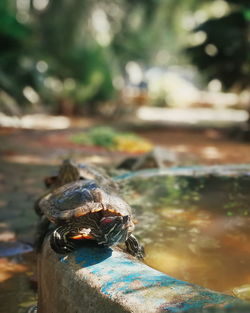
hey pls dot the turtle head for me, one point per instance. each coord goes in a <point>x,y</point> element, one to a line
<point>115,229</point>
<point>68,172</point>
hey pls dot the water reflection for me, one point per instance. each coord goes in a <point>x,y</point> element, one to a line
<point>14,248</point>
<point>17,285</point>
<point>195,229</point>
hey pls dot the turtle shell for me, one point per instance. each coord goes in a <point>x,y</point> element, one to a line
<point>79,198</point>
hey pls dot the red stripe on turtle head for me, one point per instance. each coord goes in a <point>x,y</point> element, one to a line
<point>109,219</point>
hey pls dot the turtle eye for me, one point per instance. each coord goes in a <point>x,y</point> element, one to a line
<point>125,219</point>
<point>107,220</point>
<point>81,178</point>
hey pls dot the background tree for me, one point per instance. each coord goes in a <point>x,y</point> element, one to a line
<point>69,55</point>
<point>13,38</point>
<point>225,52</point>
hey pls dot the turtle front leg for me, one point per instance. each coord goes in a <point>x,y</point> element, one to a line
<point>134,248</point>
<point>59,241</point>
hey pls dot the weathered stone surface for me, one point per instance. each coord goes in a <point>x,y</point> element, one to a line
<point>95,279</point>
<point>191,171</point>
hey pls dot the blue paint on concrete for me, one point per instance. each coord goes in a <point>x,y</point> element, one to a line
<point>202,300</point>
<point>198,170</point>
<point>90,256</point>
<point>120,275</point>
<point>207,307</point>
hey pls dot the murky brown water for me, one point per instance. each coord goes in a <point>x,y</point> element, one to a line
<point>203,248</point>
<point>17,284</point>
<point>195,229</point>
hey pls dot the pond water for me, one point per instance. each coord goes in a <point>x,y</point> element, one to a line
<point>17,283</point>
<point>195,229</point>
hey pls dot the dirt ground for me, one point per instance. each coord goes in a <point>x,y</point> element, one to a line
<point>205,147</point>
<point>208,146</point>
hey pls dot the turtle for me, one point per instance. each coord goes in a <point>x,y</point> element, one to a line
<point>71,171</point>
<point>86,209</point>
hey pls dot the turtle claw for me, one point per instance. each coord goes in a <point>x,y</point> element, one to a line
<point>59,242</point>
<point>134,248</point>
<point>33,309</point>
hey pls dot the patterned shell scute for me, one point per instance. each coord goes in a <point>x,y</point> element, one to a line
<point>97,174</point>
<point>72,199</point>
<point>78,198</point>
<point>113,202</point>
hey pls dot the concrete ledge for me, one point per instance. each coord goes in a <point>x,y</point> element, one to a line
<point>95,279</point>
<point>233,170</point>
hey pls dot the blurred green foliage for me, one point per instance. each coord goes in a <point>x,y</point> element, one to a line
<point>13,36</point>
<point>110,138</point>
<point>69,55</point>
<point>102,136</point>
<point>225,54</point>
<point>56,51</point>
